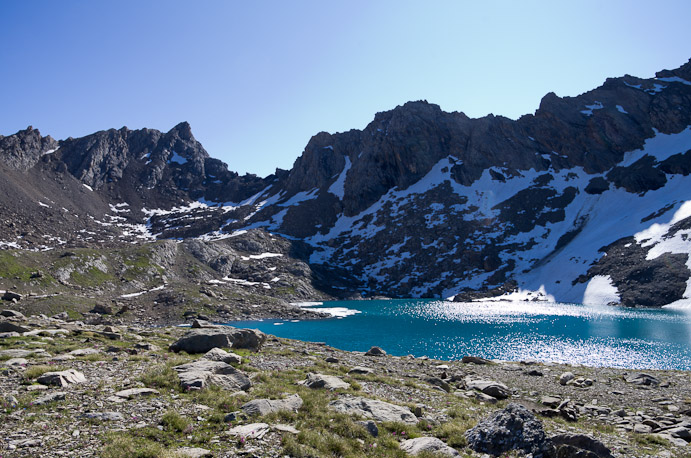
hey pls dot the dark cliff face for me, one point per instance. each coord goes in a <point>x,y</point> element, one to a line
<point>419,203</point>
<point>23,150</point>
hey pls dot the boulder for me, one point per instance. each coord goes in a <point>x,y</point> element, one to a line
<point>428,445</point>
<point>102,309</point>
<point>489,387</point>
<point>475,360</point>
<point>376,410</point>
<point>202,373</point>
<point>569,445</point>
<point>361,370</point>
<point>52,397</point>
<point>267,406</point>
<point>7,335</point>
<point>328,382</point>
<point>8,326</point>
<point>218,354</point>
<point>203,340</point>
<point>550,401</point>
<point>513,428</point>
<point>566,377</point>
<point>136,392</point>
<point>61,378</point>
<point>251,431</point>
<point>375,351</point>
<point>11,296</point>
<point>21,353</point>
<point>436,381</point>
<point>13,314</point>
<point>642,380</point>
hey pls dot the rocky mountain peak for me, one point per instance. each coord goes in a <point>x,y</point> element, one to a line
<point>22,150</point>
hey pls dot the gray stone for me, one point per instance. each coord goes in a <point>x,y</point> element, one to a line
<point>331,360</point>
<point>202,373</point>
<point>489,387</point>
<point>640,428</point>
<point>16,362</point>
<point>329,382</point>
<point>361,370</point>
<point>513,428</point>
<point>475,360</point>
<point>146,346</point>
<point>62,378</point>
<point>8,326</point>
<point>193,452</point>
<point>84,352</point>
<point>376,410</point>
<point>370,426</point>
<point>13,314</point>
<point>429,445</point>
<point>218,354</point>
<point>566,377</point>
<point>680,432</point>
<point>436,381</point>
<point>375,351</point>
<point>580,442</point>
<point>20,353</point>
<point>550,401</point>
<point>267,406</point>
<point>11,296</point>
<point>136,392</point>
<point>104,416</point>
<point>285,428</point>
<point>642,380</point>
<point>7,335</point>
<point>203,340</point>
<point>251,431</point>
<point>52,397</point>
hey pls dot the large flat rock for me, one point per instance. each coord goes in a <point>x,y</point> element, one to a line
<point>376,410</point>
<point>204,339</point>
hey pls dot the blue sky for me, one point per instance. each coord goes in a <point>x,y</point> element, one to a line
<point>257,79</point>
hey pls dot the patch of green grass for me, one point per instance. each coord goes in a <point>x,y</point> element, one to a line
<point>163,376</point>
<point>33,372</point>
<point>650,440</point>
<point>92,277</point>
<point>126,446</point>
<point>173,421</point>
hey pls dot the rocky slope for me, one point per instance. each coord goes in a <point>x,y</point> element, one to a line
<point>585,198</point>
<point>70,388</point>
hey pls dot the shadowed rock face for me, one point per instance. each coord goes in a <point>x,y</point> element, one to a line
<point>420,203</point>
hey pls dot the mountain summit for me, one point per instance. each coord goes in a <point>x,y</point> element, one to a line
<point>585,200</point>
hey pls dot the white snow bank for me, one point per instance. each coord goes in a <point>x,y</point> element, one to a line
<point>601,291</point>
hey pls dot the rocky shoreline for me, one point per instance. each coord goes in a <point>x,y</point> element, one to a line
<point>108,389</point>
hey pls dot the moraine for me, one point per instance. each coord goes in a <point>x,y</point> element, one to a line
<point>544,331</point>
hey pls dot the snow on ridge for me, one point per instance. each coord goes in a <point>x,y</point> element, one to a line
<point>590,108</point>
<point>261,256</point>
<point>338,186</point>
<point>87,187</point>
<point>675,79</point>
<point>601,291</point>
<point>661,146</point>
<point>177,159</point>
<point>620,109</point>
<point>299,197</point>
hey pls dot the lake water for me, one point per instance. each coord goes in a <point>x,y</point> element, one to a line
<point>567,333</point>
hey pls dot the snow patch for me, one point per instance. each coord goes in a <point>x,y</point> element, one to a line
<point>675,79</point>
<point>620,109</point>
<point>601,291</point>
<point>176,158</point>
<point>590,108</point>
<point>338,186</point>
<point>87,187</point>
<point>261,256</point>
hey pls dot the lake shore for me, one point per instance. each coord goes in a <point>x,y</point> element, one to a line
<point>633,415</point>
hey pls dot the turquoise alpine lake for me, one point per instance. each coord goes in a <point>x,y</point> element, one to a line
<point>563,333</point>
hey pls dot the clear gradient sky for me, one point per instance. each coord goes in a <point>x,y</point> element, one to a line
<point>256,79</point>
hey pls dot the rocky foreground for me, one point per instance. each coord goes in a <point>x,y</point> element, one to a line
<point>74,389</point>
